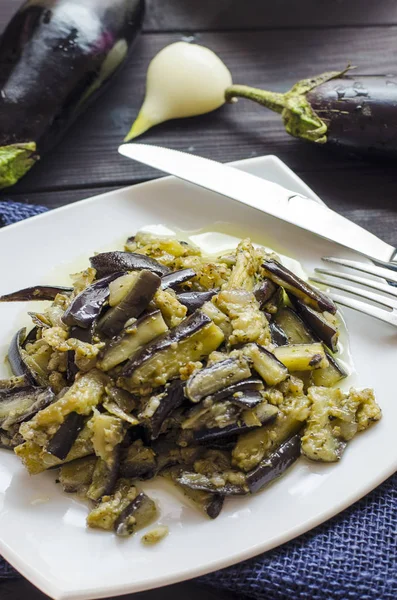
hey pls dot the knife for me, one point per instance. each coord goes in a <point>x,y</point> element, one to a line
<point>265,196</point>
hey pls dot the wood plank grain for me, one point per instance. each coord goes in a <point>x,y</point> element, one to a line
<point>88,155</point>
<point>194,15</point>
<point>20,589</point>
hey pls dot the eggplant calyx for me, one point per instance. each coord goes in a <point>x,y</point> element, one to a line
<point>15,161</point>
<point>299,118</point>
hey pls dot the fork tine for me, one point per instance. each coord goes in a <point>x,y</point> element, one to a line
<point>367,309</point>
<point>371,283</point>
<point>387,302</point>
<point>364,268</point>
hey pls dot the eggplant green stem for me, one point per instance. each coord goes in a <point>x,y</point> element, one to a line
<point>299,118</point>
<point>15,161</point>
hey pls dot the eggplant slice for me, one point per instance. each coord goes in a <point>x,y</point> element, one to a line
<point>210,504</point>
<point>264,291</point>
<point>297,287</point>
<point>105,476</point>
<point>87,306</point>
<point>39,292</point>
<point>198,481</point>
<point>195,338</point>
<point>245,398</point>
<point>172,399</point>
<point>172,280</point>
<point>133,304</point>
<point>22,403</point>
<point>265,414</point>
<point>321,327</point>
<point>139,513</point>
<point>133,339</point>
<point>292,326</point>
<point>76,477</point>
<point>108,263</point>
<point>266,364</point>
<point>231,392</point>
<point>216,377</point>
<point>195,300</point>
<point>275,465</point>
<point>63,440</point>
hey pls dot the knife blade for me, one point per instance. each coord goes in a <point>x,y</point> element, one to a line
<point>263,195</point>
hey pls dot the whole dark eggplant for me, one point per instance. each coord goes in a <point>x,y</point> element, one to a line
<point>356,112</point>
<point>55,57</point>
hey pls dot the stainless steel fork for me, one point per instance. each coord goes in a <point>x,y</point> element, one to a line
<point>387,299</point>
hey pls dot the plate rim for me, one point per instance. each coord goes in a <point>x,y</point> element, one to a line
<point>49,587</point>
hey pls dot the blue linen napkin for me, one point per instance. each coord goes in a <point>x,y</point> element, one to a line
<point>351,557</point>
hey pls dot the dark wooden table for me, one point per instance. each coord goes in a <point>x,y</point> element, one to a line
<point>266,44</point>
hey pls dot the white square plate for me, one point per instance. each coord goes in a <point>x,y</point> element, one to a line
<point>42,530</point>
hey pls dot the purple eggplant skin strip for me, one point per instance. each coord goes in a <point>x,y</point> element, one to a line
<point>275,465</point>
<point>172,280</point>
<point>31,337</point>
<point>84,335</point>
<point>263,291</point>
<point>215,506</point>
<point>17,364</point>
<point>123,527</point>
<point>192,481</point>
<point>119,525</point>
<point>107,263</point>
<point>87,306</point>
<point>195,300</point>
<point>323,330</point>
<point>39,292</point>
<point>246,398</point>
<point>175,397</point>
<point>206,436</point>
<point>279,338</point>
<point>63,440</point>
<point>252,384</point>
<point>298,287</point>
